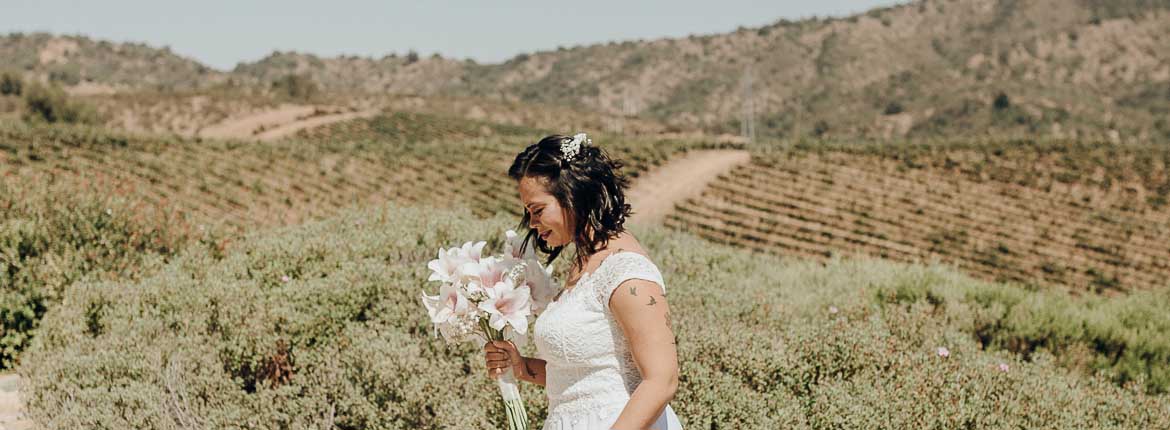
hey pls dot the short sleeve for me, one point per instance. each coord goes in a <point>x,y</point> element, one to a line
<point>630,266</point>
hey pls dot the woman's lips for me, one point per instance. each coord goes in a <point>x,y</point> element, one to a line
<point>544,235</point>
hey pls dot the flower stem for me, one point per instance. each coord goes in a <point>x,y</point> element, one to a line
<point>509,389</point>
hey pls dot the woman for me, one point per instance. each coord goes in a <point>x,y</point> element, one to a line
<point>608,356</point>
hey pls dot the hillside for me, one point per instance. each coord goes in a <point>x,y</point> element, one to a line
<point>245,185</point>
<point>1087,216</point>
<point>101,66</point>
<point>1058,68</point>
<point>210,190</point>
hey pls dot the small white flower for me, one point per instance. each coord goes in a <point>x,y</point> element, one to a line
<point>833,309</point>
<point>1003,367</point>
<point>570,148</point>
<point>944,352</point>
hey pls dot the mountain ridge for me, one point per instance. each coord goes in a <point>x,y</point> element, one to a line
<point>1085,69</point>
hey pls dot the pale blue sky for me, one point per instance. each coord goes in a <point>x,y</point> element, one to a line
<point>221,33</point>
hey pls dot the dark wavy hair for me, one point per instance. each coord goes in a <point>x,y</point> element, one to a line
<point>591,187</point>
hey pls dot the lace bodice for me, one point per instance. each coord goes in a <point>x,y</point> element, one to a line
<point>590,369</point>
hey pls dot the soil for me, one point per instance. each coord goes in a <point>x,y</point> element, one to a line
<point>654,195</point>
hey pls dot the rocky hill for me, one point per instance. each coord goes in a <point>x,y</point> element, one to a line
<point>101,66</point>
<point>1061,68</point>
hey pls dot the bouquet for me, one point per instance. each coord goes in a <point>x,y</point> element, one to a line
<point>487,298</point>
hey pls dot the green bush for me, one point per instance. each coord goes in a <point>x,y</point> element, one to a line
<point>11,84</point>
<point>296,87</point>
<point>51,237</point>
<point>1124,339</point>
<point>344,343</point>
<point>67,74</point>
<point>51,104</point>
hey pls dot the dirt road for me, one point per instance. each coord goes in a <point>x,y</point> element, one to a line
<point>654,195</point>
<point>280,122</point>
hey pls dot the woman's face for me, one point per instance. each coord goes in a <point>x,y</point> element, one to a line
<point>545,213</point>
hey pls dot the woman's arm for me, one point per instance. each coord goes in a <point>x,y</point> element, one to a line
<point>640,306</point>
<point>531,370</point>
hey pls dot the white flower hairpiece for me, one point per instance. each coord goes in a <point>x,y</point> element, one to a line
<point>573,146</point>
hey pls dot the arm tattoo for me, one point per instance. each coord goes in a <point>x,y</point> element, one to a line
<point>633,290</point>
<point>652,301</point>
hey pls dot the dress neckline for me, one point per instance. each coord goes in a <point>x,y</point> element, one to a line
<point>589,274</point>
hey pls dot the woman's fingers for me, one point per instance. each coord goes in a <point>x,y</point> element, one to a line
<point>496,356</point>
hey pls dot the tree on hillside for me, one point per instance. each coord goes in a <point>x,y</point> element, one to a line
<point>1001,101</point>
<point>820,128</point>
<point>893,108</point>
<point>11,84</point>
<point>296,87</point>
<point>51,104</point>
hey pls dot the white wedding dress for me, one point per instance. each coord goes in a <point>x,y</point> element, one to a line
<point>590,372</point>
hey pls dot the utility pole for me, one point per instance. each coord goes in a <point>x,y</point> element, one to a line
<point>747,123</point>
<point>629,109</point>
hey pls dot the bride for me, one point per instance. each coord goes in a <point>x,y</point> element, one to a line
<point>608,358</point>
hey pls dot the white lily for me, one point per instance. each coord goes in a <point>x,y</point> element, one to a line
<point>444,268</point>
<point>472,251</point>
<point>541,285</point>
<point>512,244</point>
<point>448,305</point>
<point>508,305</point>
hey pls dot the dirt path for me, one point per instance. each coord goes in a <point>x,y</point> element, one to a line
<point>11,409</point>
<point>316,121</point>
<point>654,195</point>
<point>280,122</point>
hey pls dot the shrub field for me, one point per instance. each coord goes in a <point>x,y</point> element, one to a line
<point>320,325</point>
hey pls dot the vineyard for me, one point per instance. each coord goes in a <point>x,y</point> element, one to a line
<point>212,191</point>
<point>403,157</point>
<point>265,311</point>
<point>824,203</point>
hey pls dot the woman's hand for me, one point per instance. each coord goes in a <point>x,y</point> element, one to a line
<point>501,355</point>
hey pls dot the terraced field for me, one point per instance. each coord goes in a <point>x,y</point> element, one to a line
<point>410,158</point>
<point>824,204</point>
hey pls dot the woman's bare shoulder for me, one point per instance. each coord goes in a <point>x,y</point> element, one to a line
<point>627,242</point>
